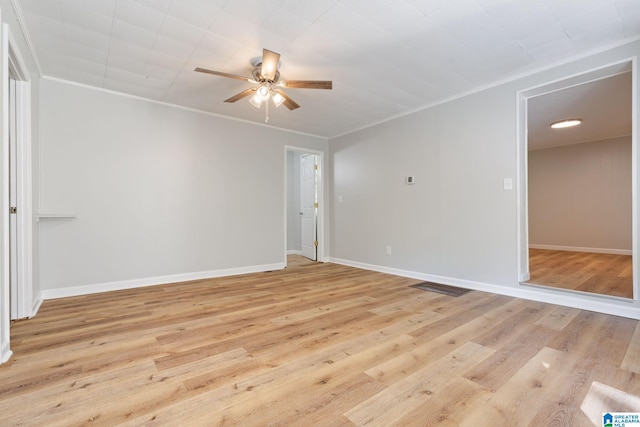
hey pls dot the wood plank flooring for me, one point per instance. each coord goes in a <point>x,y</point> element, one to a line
<point>316,345</point>
<point>605,274</point>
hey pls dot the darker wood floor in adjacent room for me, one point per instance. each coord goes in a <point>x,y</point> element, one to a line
<point>606,274</point>
<point>316,345</point>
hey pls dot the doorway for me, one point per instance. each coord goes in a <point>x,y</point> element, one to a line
<point>304,207</point>
<point>19,191</point>
<point>579,192</point>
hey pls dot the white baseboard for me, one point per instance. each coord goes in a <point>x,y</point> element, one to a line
<point>600,303</point>
<point>5,352</point>
<point>152,281</point>
<point>581,249</point>
<point>294,252</point>
<point>36,305</point>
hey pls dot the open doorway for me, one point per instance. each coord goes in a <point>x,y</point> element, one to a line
<point>580,187</point>
<point>303,211</point>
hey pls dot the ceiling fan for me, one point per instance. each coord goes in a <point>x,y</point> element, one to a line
<point>267,76</point>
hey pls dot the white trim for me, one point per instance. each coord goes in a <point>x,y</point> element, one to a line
<point>24,198</point>
<point>634,179</point>
<point>153,281</point>
<point>5,309</point>
<point>599,303</point>
<point>294,252</point>
<point>522,195</point>
<point>37,303</point>
<point>581,249</point>
<point>23,27</point>
<point>5,352</point>
<point>16,62</point>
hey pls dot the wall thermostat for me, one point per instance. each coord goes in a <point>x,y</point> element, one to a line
<point>410,180</point>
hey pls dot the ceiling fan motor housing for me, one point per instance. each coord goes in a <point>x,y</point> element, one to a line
<point>258,77</point>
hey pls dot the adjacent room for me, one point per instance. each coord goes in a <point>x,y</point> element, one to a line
<point>580,187</point>
<point>339,212</point>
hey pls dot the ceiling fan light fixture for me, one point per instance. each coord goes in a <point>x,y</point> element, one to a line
<point>277,99</point>
<point>566,123</point>
<point>256,100</point>
<point>263,93</point>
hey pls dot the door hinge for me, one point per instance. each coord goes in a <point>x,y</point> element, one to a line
<point>315,167</point>
<point>315,243</point>
<point>315,205</point>
<point>13,210</point>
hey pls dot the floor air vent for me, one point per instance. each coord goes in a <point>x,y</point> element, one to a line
<point>441,289</point>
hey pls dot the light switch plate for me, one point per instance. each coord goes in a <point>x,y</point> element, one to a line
<point>508,184</point>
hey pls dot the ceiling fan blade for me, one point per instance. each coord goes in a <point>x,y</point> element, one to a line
<point>269,64</point>
<point>241,95</point>
<point>220,73</point>
<point>308,84</point>
<point>288,102</point>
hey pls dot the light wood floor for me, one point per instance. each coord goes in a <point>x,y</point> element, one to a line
<point>581,271</point>
<point>316,345</point>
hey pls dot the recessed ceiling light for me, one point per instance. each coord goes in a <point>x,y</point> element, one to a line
<point>566,123</point>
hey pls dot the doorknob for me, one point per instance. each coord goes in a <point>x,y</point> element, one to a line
<point>301,213</point>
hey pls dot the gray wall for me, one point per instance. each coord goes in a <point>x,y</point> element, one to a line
<point>456,220</point>
<point>157,190</point>
<point>457,223</point>
<point>580,196</point>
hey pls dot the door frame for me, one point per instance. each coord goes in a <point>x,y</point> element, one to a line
<point>24,303</point>
<point>322,205</point>
<point>523,184</point>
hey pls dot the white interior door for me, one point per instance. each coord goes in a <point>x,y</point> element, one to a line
<point>308,205</point>
<point>13,203</point>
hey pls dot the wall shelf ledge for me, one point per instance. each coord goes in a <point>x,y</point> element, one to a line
<point>49,216</point>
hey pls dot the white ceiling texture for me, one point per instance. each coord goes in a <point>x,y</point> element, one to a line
<point>385,57</point>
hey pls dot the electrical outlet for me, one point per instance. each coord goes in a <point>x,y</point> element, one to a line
<point>388,250</point>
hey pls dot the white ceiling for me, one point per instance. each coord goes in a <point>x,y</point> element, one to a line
<point>385,57</point>
<point>603,105</point>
